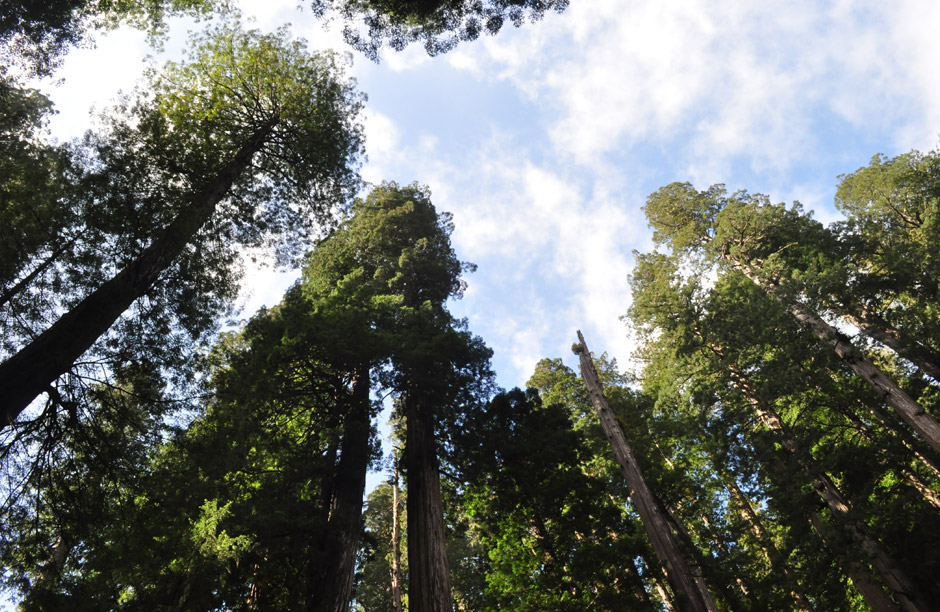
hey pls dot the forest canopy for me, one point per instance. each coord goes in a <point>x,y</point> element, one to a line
<point>777,446</point>
<point>37,35</point>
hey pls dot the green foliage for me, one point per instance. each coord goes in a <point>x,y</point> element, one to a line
<point>214,544</point>
<point>394,261</point>
<point>552,535</point>
<point>36,35</point>
<point>159,153</point>
<point>438,24</point>
<point>718,353</point>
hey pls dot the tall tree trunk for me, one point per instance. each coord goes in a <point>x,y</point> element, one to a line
<point>678,573</point>
<point>700,565</point>
<point>24,282</point>
<point>903,591</point>
<point>663,595</point>
<point>866,584</point>
<point>873,326</point>
<point>396,541</point>
<point>335,567</point>
<point>774,559</point>
<point>909,410</point>
<point>30,371</point>
<point>929,494</point>
<point>636,586</point>
<point>428,573</point>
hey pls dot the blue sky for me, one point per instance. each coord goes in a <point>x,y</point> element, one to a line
<point>544,141</point>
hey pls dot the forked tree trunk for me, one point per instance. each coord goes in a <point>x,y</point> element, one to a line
<point>428,572</point>
<point>34,368</point>
<point>688,596</point>
<point>335,565</point>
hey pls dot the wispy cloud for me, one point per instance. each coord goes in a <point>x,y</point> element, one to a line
<point>553,250</point>
<point>722,82</point>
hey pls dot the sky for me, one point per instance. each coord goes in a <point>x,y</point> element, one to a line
<point>544,141</point>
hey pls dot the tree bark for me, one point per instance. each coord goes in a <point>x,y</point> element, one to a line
<point>776,561</point>
<point>30,371</point>
<point>428,573</point>
<point>335,567</point>
<point>732,601</point>
<point>858,573</point>
<point>396,541</point>
<point>907,408</point>
<point>878,329</point>
<point>680,577</point>
<point>663,596</point>
<point>903,591</point>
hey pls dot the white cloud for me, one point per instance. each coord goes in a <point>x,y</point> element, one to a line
<point>914,27</point>
<point>94,78</point>
<point>410,58</point>
<point>722,81</point>
<point>553,253</point>
<point>382,144</point>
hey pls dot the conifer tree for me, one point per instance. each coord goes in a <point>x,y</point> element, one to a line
<point>250,143</point>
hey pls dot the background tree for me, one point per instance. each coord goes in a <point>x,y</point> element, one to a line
<point>758,239</point>
<point>374,589</point>
<point>729,359</point>
<point>554,538</point>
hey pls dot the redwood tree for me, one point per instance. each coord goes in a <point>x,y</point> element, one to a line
<point>252,142</point>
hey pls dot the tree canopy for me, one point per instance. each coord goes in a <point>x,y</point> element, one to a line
<point>251,143</point>
<point>439,25</point>
<point>778,447</point>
